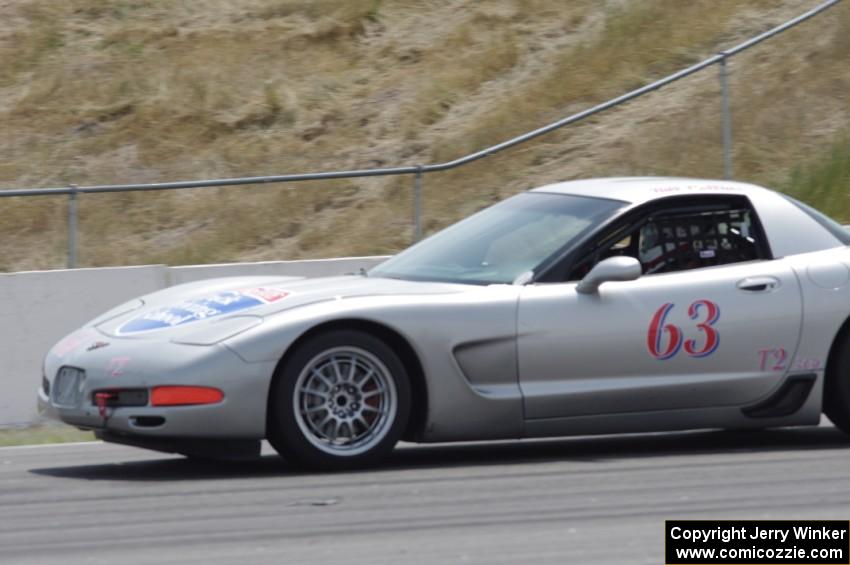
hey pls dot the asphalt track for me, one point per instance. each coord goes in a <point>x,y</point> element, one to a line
<point>585,500</point>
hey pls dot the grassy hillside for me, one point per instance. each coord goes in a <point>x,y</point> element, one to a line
<point>103,91</point>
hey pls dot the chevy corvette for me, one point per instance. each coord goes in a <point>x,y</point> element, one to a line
<point>602,306</point>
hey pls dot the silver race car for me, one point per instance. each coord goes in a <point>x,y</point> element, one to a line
<point>587,307</point>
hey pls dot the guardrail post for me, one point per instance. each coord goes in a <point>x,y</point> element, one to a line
<point>72,227</point>
<point>417,205</point>
<point>726,119</point>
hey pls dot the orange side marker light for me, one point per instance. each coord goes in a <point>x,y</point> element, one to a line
<point>185,395</point>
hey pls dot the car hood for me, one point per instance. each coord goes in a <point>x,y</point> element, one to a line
<point>208,311</point>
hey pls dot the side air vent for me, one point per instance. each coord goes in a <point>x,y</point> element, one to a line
<point>788,399</point>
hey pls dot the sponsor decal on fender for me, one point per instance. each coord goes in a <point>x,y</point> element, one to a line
<point>202,308</point>
<point>775,359</point>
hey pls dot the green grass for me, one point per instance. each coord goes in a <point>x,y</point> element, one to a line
<point>825,182</point>
<point>48,433</point>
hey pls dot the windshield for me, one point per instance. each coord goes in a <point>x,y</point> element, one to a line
<point>501,242</point>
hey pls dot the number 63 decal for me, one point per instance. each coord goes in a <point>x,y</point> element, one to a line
<point>665,340</point>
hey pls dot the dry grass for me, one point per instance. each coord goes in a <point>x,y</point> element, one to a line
<point>102,91</point>
<point>47,433</point>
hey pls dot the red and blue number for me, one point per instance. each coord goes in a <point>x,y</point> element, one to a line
<point>712,338</point>
<point>662,349</point>
<point>657,329</point>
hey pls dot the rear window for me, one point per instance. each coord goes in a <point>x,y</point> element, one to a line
<point>828,223</point>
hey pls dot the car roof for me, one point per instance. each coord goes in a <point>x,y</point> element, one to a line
<point>637,190</point>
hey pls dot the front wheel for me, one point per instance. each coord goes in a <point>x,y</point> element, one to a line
<point>836,391</point>
<point>341,401</point>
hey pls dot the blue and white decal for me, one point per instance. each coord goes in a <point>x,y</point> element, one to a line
<point>203,308</point>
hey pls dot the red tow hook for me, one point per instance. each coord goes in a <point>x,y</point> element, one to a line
<point>101,400</point>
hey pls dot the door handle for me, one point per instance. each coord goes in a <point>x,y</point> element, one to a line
<point>759,284</point>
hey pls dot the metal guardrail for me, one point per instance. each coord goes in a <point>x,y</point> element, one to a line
<point>72,191</point>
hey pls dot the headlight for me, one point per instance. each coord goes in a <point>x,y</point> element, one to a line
<point>219,330</point>
<point>129,306</point>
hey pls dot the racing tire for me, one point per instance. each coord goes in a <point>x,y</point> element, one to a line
<point>341,400</point>
<point>836,388</point>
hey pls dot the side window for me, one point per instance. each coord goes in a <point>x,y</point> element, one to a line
<point>681,238</point>
<point>692,240</point>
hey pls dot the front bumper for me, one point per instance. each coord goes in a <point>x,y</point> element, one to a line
<point>45,408</point>
<point>240,415</point>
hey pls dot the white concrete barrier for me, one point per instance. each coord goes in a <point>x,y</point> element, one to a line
<point>311,268</point>
<point>38,308</point>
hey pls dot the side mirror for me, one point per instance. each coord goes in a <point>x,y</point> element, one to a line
<point>611,269</point>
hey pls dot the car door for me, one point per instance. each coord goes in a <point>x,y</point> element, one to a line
<point>711,325</point>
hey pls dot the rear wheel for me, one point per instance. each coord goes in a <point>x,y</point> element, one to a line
<point>836,392</point>
<point>341,400</point>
